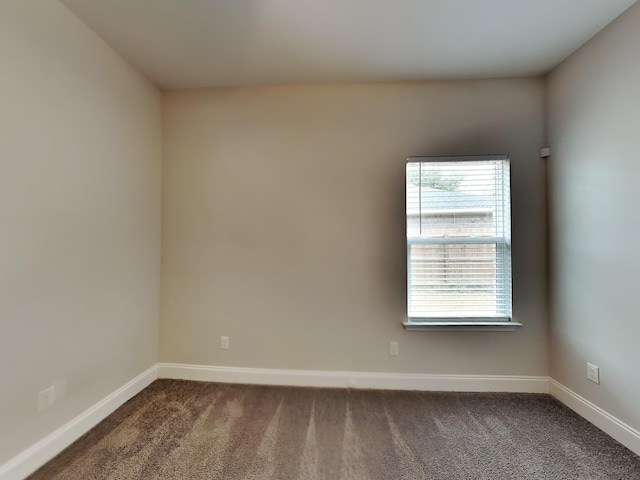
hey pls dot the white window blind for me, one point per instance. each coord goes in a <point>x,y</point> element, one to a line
<point>458,239</point>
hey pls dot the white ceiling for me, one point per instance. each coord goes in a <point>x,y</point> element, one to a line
<point>206,43</point>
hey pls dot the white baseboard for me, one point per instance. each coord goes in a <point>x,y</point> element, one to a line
<point>38,454</point>
<point>623,433</point>
<point>373,380</point>
<point>41,452</point>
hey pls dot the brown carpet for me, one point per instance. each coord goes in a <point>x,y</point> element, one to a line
<point>194,430</point>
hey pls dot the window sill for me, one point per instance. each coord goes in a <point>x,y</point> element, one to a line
<point>461,326</point>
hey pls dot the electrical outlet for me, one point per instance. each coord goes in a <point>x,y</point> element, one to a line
<point>593,373</point>
<point>46,398</point>
<point>394,349</point>
<point>224,343</point>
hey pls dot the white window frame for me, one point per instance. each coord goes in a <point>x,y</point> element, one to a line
<point>503,242</point>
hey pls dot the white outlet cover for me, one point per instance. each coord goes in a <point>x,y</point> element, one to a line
<point>593,373</point>
<point>46,398</point>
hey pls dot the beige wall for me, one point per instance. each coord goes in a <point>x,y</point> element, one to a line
<point>594,130</point>
<point>283,224</point>
<point>79,219</point>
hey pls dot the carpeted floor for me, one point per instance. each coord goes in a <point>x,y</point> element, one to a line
<point>193,430</point>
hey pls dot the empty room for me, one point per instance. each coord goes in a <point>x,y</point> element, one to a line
<point>355,239</point>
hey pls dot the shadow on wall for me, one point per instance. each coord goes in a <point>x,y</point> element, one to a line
<point>390,237</point>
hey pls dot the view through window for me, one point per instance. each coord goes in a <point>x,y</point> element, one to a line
<point>458,238</point>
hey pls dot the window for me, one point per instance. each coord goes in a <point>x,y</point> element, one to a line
<point>458,242</point>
